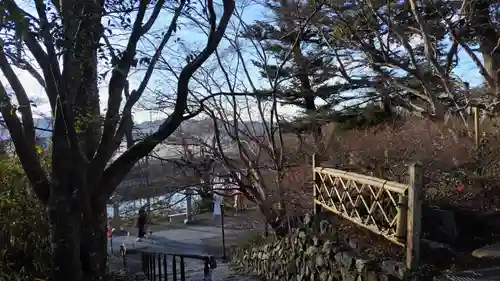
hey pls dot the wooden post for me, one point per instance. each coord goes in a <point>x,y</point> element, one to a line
<point>317,207</point>
<point>402,223</point>
<point>476,127</point>
<point>477,140</point>
<point>414,221</point>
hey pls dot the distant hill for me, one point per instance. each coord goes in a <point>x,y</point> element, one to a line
<point>191,129</point>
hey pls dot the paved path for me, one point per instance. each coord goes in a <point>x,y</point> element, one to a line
<point>186,240</point>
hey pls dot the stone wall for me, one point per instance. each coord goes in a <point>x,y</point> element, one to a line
<point>312,254</point>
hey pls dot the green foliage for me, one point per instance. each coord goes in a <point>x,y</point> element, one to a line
<point>362,118</point>
<point>24,233</point>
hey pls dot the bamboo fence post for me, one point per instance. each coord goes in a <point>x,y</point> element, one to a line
<point>317,207</point>
<point>402,222</point>
<point>414,229</point>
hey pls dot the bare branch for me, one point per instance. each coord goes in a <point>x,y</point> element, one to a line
<point>106,148</point>
<point>115,172</point>
<point>22,98</point>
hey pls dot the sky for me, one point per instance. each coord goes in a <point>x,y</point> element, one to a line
<point>189,37</point>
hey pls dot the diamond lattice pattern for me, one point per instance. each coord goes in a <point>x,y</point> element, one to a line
<point>371,206</point>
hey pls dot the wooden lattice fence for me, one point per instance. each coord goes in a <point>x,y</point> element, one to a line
<point>387,208</point>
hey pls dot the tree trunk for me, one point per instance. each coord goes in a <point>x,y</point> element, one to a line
<point>79,245</point>
<point>277,222</point>
<point>487,37</point>
<point>93,247</point>
<point>64,223</point>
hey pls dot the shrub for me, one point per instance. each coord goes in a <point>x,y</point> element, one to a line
<point>24,232</point>
<point>449,159</point>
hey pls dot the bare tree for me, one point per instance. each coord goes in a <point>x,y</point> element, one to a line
<point>64,39</point>
<point>248,145</point>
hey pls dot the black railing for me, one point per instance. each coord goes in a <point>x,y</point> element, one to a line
<point>156,266</point>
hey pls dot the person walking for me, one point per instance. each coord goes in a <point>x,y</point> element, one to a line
<point>141,223</point>
<point>108,227</point>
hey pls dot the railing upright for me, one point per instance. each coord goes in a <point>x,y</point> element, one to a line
<point>165,266</point>
<point>159,268</point>
<point>155,266</point>
<point>174,268</point>
<point>153,263</point>
<point>183,272</point>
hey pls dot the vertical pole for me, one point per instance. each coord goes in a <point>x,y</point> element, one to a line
<point>183,270</point>
<point>317,207</point>
<point>476,127</point>
<point>159,267</point>
<point>414,230</point>
<point>402,222</point>
<point>189,206</point>
<point>224,257</point>
<point>174,268</point>
<point>165,267</point>
<point>148,198</point>
<point>477,140</point>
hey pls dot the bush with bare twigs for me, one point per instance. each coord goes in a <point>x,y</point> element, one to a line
<point>450,161</point>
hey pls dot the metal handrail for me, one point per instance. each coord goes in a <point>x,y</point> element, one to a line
<point>155,266</point>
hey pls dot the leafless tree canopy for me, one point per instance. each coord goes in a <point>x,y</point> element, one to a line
<point>68,47</point>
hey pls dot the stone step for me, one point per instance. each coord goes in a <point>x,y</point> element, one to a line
<point>488,251</point>
<point>487,274</point>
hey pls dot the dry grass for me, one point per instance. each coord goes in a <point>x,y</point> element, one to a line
<point>449,159</point>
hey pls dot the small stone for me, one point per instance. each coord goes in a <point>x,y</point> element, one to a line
<point>320,261</point>
<point>327,247</point>
<point>324,227</point>
<point>292,268</point>
<point>315,240</point>
<point>394,268</point>
<point>323,276</point>
<point>311,251</point>
<point>307,220</point>
<point>371,276</point>
<point>431,192</point>
<point>360,265</point>
<point>355,244</point>
<point>347,275</point>
<point>345,258</point>
<point>488,251</point>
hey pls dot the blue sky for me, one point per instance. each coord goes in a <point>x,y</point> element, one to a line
<point>193,38</point>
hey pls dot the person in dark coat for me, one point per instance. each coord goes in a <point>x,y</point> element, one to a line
<point>141,223</point>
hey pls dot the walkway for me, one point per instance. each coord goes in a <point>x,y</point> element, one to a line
<point>186,240</point>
